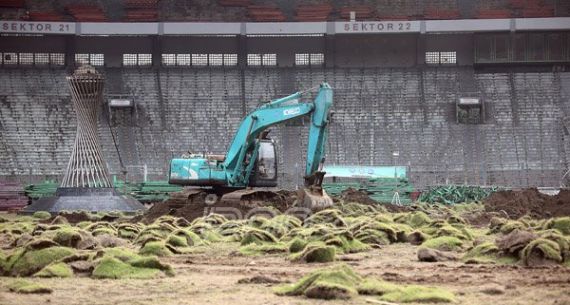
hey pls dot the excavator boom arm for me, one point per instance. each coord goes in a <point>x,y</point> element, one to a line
<point>318,132</point>
<point>276,112</point>
<point>250,129</point>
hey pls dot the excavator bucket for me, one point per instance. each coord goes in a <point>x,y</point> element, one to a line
<point>313,196</point>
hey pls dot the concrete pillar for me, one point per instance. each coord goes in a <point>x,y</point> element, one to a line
<point>242,65</point>
<point>421,50</point>
<point>156,51</point>
<point>330,51</point>
<point>70,50</point>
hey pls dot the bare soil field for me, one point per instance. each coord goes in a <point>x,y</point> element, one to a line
<point>211,277</point>
<point>350,254</point>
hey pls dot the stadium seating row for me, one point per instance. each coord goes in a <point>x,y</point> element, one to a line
<point>382,117</point>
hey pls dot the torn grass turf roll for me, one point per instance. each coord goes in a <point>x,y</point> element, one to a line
<point>61,270</point>
<point>562,224</point>
<point>258,236</point>
<point>418,294</point>
<point>337,282</point>
<point>541,252</point>
<point>488,253</point>
<point>41,215</point>
<point>158,248</point>
<point>341,282</point>
<point>113,268</point>
<point>443,243</point>
<point>27,287</point>
<point>118,263</point>
<point>33,261</point>
<point>315,252</point>
<point>254,249</point>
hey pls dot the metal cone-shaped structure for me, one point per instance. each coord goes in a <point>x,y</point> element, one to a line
<point>86,167</point>
<point>86,184</point>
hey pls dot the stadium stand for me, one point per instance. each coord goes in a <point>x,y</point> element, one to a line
<point>264,11</point>
<point>408,119</point>
<point>397,95</point>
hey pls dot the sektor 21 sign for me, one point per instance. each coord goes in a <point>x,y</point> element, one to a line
<point>363,27</point>
<point>26,27</point>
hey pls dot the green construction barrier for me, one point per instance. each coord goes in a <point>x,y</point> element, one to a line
<point>151,191</point>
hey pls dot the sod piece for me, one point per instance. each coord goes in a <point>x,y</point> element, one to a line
<point>41,215</point>
<point>33,261</point>
<point>297,244</point>
<point>419,294</point>
<point>443,243</point>
<point>418,219</point>
<point>316,252</point>
<point>562,224</point>
<point>55,270</point>
<point>157,248</point>
<point>258,236</point>
<point>119,253</point>
<point>152,262</point>
<point>265,248</point>
<point>541,251</point>
<point>372,286</point>
<point>112,268</point>
<point>24,286</point>
<point>337,282</point>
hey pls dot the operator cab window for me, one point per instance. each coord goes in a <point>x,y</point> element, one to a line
<point>266,161</point>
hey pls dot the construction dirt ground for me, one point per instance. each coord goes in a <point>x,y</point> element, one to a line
<point>475,253</point>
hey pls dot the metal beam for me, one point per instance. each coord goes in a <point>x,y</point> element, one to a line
<point>283,28</point>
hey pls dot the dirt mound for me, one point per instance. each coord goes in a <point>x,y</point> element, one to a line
<point>190,204</point>
<point>193,205</point>
<point>480,219</point>
<point>515,241</point>
<point>74,217</point>
<point>353,195</point>
<point>529,202</point>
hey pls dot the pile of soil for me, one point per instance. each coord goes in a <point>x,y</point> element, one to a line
<point>480,218</point>
<point>354,195</point>
<point>192,206</point>
<point>357,196</point>
<point>529,202</point>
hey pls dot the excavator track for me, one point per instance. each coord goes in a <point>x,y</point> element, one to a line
<point>186,196</point>
<point>313,198</point>
<point>253,198</point>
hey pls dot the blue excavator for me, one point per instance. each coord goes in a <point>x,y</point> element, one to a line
<point>249,168</point>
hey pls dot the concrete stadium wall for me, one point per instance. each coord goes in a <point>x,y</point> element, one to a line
<point>342,51</point>
<point>378,111</point>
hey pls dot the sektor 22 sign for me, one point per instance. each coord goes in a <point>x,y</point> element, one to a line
<point>377,27</point>
<point>37,27</point>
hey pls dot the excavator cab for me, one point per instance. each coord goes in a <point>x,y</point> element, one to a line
<point>265,169</point>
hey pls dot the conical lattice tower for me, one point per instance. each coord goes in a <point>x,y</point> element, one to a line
<point>86,167</point>
<point>86,184</point>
